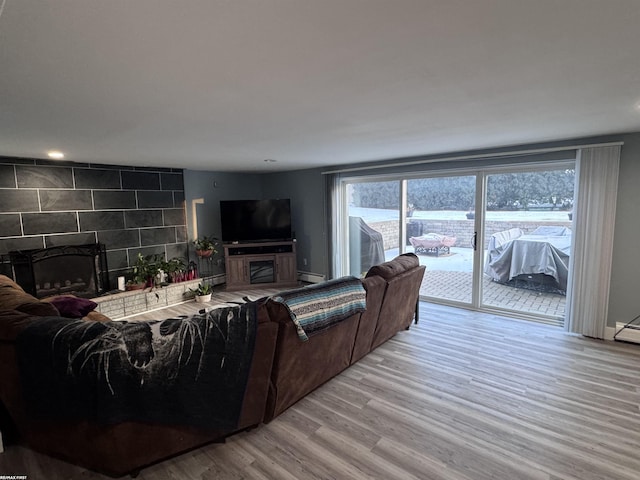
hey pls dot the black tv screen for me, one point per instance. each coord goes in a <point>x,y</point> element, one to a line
<point>255,220</point>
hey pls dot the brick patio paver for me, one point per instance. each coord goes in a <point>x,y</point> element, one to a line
<point>456,286</point>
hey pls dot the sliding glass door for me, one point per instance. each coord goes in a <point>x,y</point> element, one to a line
<point>497,239</point>
<point>429,216</point>
<point>441,231</point>
<point>527,238</point>
<point>371,224</point>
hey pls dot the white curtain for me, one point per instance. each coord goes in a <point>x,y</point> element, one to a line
<point>336,216</point>
<point>593,225</point>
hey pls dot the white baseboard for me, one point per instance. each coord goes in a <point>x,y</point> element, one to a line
<point>310,277</point>
<point>625,335</point>
<point>609,332</point>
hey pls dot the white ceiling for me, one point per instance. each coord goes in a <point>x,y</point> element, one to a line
<point>224,84</point>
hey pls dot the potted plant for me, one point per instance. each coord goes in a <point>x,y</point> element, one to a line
<point>138,278</point>
<point>203,292</point>
<point>175,269</point>
<point>205,246</point>
<point>471,213</point>
<point>144,272</point>
<point>410,209</point>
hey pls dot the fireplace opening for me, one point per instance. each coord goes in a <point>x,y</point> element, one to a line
<point>79,270</point>
<point>262,271</point>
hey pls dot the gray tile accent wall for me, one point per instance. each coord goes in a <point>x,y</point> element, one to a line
<point>17,161</point>
<point>35,223</point>
<point>57,200</point>
<point>21,243</point>
<point>140,180</point>
<point>97,178</point>
<point>103,200</point>
<point>10,225</point>
<point>178,198</point>
<point>143,218</point>
<point>157,236</point>
<point>69,239</point>
<point>129,209</point>
<point>44,177</point>
<point>120,238</point>
<point>7,176</point>
<point>101,221</point>
<point>182,234</point>
<point>174,216</point>
<point>155,199</point>
<point>19,201</point>
<point>171,181</point>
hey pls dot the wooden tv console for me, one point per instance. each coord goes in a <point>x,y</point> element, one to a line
<point>264,264</point>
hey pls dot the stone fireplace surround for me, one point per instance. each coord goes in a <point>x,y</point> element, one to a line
<point>130,210</point>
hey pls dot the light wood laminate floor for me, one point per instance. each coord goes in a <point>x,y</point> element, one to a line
<point>462,395</point>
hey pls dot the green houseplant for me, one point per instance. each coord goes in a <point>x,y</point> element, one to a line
<point>144,271</point>
<point>205,246</point>
<point>202,292</point>
<point>175,269</point>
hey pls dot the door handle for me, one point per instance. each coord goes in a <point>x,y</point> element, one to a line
<point>474,240</point>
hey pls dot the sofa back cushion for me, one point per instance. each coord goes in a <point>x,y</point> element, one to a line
<point>398,265</point>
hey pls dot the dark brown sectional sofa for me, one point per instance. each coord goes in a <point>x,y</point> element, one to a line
<point>124,447</point>
<point>283,370</point>
<point>300,367</point>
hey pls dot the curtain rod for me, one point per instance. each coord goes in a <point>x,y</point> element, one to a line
<point>511,153</point>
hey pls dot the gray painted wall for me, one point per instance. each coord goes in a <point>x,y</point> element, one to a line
<point>306,190</point>
<point>212,187</point>
<point>624,295</point>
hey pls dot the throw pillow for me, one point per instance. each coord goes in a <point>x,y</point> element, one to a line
<point>72,307</point>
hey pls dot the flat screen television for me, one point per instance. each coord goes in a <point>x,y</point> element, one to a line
<point>255,220</point>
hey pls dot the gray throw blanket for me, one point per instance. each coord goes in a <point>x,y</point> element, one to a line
<point>182,371</point>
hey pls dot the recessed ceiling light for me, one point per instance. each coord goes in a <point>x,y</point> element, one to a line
<point>55,154</point>
<point>270,160</point>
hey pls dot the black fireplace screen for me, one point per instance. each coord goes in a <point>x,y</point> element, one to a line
<point>80,270</point>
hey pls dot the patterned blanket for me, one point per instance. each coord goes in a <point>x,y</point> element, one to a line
<point>317,307</point>
<point>180,371</point>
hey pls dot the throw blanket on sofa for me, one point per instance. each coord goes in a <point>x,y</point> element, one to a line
<point>181,371</point>
<point>318,307</point>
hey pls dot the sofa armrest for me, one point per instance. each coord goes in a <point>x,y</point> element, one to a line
<point>13,297</point>
<point>399,305</point>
